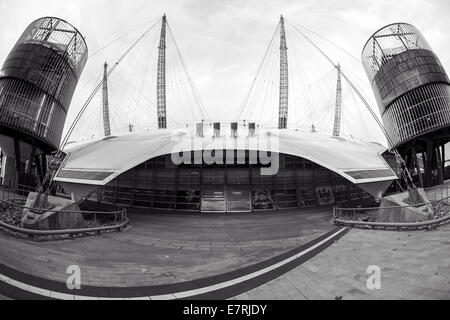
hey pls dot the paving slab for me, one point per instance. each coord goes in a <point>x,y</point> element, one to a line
<point>414,265</point>
<point>168,248</point>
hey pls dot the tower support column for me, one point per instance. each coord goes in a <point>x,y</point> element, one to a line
<point>106,123</point>
<point>337,113</point>
<point>161,80</point>
<point>284,80</point>
<point>417,167</point>
<point>429,165</point>
<point>440,169</point>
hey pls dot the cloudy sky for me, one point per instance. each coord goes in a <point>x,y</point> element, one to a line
<point>223,41</point>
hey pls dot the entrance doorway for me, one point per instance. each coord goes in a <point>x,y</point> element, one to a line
<point>213,198</point>
<point>226,198</point>
<point>238,198</point>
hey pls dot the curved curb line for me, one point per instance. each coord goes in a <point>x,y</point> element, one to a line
<point>393,225</point>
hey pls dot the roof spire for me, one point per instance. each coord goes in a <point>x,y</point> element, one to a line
<point>337,113</point>
<point>284,89</point>
<point>161,78</point>
<point>106,123</point>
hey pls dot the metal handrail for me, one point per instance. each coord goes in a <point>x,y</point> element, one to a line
<point>392,207</point>
<point>397,224</point>
<point>120,219</point>
<point>63,232</point>
<point>57,211</point>
<point>64,211</point>
<point>393,225</point>
<point>20,190</point>
<point>340,213</point>
<point>22,187</point>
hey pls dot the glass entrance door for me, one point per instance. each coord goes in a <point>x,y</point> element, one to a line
<point>238,198</point>
<point>213,198</point>
<point>230,198</point>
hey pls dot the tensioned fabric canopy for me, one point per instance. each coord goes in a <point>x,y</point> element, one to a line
<point>97,163</point>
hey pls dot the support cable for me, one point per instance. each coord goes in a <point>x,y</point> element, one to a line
<point>50,175</point>
<point>97,88</point>
<point>404,170</point>
<point>243,106</point>
<point>327,40</point>
<point>193,88</point>
<point>265,85</point>
<point>121,36</point>
<point>352,86</point>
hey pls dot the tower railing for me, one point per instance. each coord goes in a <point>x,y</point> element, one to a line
<point>436,212</point>
<point>13,203</point>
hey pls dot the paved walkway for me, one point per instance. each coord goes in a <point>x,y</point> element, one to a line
<point>162,249</point>
<point>414,265</point>
<point>168,248</point>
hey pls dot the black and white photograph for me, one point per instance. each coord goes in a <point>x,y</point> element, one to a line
<point>224,156</point>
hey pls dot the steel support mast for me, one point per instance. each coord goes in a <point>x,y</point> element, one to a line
<point>338,112</point>
<point>106,123</point>
<point>284,89</point>
<point>161,80</point>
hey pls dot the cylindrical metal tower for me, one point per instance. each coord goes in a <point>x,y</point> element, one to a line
<point>37,82</point>
<point>412,90</point>
<point>38,79</point>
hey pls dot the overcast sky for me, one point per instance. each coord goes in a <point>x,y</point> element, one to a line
<point>223,41</point>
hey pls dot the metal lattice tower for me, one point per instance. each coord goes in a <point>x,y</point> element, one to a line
<point>106,123</point>
<point>337,113</point>
<point>284,87</point>
<point>161,81</point>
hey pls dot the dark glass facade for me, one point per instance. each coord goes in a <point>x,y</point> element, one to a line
<point>38,80</point>
<point>160,184</point>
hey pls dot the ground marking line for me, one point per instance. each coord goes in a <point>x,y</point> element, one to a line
<point>176,295</point>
